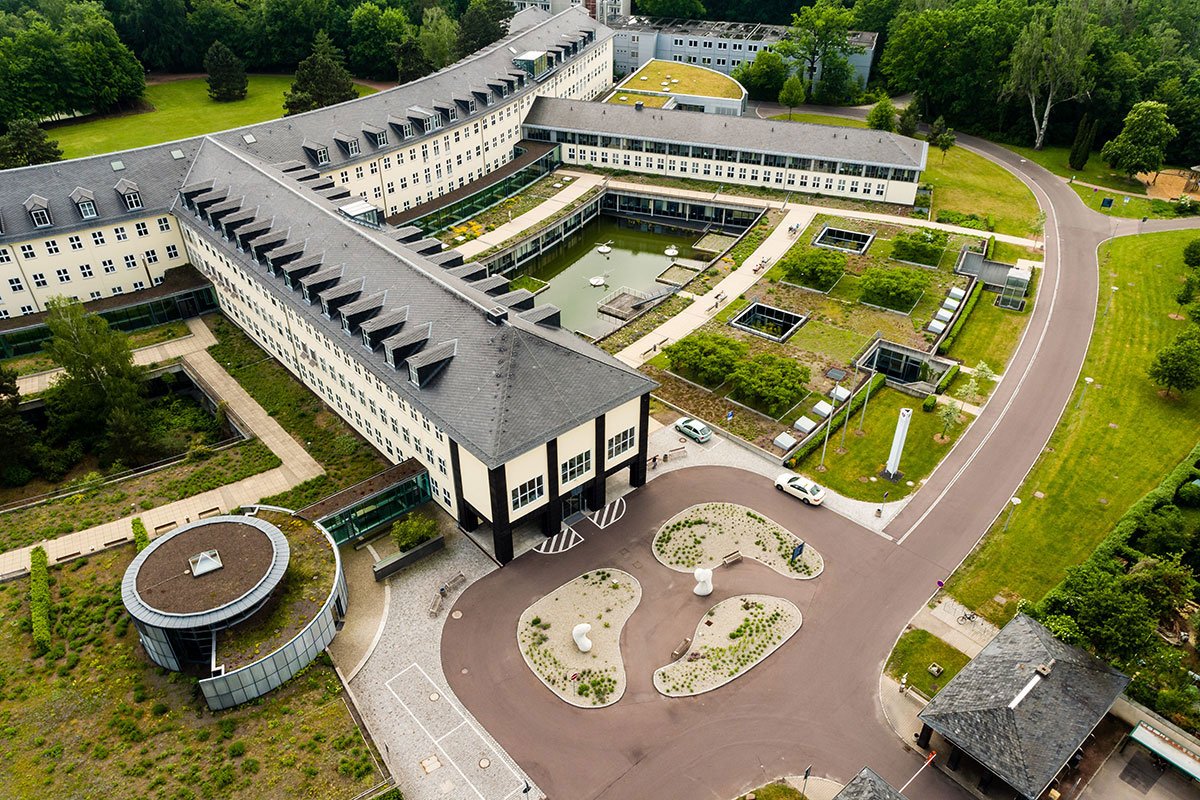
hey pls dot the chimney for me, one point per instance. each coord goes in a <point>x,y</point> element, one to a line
<point>1044,669</point>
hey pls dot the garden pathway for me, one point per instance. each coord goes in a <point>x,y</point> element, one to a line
<point>199,338</point>
<point>297,467</point>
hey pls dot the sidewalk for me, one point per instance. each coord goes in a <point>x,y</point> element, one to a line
<point>199,338</point>
<point>297,466</point>
<point>581,184</point>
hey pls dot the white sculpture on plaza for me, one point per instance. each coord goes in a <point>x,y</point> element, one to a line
<point>580,634</point>
<point>703,578</point>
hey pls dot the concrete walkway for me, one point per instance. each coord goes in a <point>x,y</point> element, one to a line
<point>297,466</point>
<point>581,184</point>
<point>199,338</point>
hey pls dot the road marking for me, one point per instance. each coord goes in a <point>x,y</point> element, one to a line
<point>445,757</point>
<point>559,542</point>
<point>609,514</point>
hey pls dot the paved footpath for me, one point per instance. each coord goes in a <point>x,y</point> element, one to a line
<point>297,466</point>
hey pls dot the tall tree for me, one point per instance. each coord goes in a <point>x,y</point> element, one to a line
<point>882,116</point>
<point>226,73</point>
<point>438,37</point>
<point>289,26</point>
<point>209,20</point>
<point>941,137</point>
<point>1177,366</point>
<point>1081,148</point>
<point>156,30</point>
<point>105,73</point>
<point>26,144</point>
<point>792,93</point>
<point>410,60</point>
<point>15,432</point>
<point>1049,62</point>
<point>374,35</point>
<point>909,119</point>
<point>484,22</point>
<point>836,85</point>
<point>818,32</point>
<point>764,76</point>
<point>321,79</point>
<point>1141,144</point>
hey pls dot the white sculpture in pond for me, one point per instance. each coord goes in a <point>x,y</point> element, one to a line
<point>703,581</point>
<point>580,634</point>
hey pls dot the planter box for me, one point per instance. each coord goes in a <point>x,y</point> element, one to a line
<point>393,564</point>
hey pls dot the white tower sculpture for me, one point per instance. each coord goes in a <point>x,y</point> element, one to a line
<point>893,462</point>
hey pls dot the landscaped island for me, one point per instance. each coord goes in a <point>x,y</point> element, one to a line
<point>735,635</point>
<point>701,536</point>
<point>604,599</point>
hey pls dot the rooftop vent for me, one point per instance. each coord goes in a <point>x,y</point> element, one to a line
<point>1044,669</point>
<point>248,138</point>
<point>204,563</point>
<point>176,154</point>
<point>118,165</point>
<point>496,315</point>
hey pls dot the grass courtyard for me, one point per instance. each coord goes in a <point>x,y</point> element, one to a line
<point>628,97</point>
<point>179,108</point>
<point>915,651</point>
<point>94,714</point>
<point>992,333</point>
<point>682,79</point>
<point>1110,447</point>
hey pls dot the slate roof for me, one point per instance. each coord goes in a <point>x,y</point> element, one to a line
<point>505,389</point>
<point>867,785</point>
<point>742,133</point>
<point>1020,725</point>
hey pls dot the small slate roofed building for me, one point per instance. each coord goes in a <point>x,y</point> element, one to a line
<point>868,785</point>
<point>1023,707</point>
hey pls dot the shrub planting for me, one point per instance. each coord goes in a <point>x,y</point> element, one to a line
<point>962,220</point>
<point>897,289</point>
<point>923,246</point>
<point>769,382</point>
<point>815,268</point>
<point>414,530</point>
<point>929,403</point>
<point>706,358</point>
<point>944,383</point>
<point>141,539</point>
<point>39,599</point>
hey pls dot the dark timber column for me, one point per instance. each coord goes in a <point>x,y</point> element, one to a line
<point>985,783</point>
<point>468,520</point>
<point>596,491</point>
<point>637,470</point>
<point>955,758</point>
<point>923,737</point>
<point>552,516</point>
<point>502,542</point>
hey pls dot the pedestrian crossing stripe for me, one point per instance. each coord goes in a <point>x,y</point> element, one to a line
<point>559,542</point>
<point>609,514</point>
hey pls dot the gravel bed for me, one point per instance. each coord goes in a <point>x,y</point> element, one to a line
<point>734,636</point>
<point>701,536</point>
<point>604,598</point>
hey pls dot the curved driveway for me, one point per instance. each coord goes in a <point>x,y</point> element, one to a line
<point>815,701</point>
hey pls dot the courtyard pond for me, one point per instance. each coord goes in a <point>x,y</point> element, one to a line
<point>603,599</point>
<point>636,260</point>
<point>734,636</point>
<point>703,535</point>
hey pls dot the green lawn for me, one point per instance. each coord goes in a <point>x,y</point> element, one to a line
<point>963,181</point>
<point>1136,208</point>
<point>1096,171</point>
<point>1007,253</point>
<point>1107,450</point>
<point>689,79</point>
<point>991,334</point>
<point>628,97</point>
<point>776,791</point>
<point>850,473</point>
<point>181,108</point>
<point>915,651</point>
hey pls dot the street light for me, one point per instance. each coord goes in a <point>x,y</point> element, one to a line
<point>1014,502</point>
<point>1086,383</point>
<point>829,424</point>
<point>1111,295</point>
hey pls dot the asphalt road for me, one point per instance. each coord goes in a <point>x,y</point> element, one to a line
<point>816,700</point>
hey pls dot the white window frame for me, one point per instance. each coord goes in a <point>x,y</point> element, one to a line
<point>528,492</point>
<point>621,443</point>
<point>575,466</point>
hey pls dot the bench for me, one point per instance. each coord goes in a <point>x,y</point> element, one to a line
<point>731,558</point>
<point>160,529</point>
<point>457,580</point>
<point>678,652</point>
<point>435,606</point>
<point>675,452</point>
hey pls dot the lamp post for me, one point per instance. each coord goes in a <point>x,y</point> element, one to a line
<point>1013,503</point>
<point>846,423</point>
<point>1086,383</point>
<point>874,366</point>
<point>829,424</point>
<point>1111,295</point>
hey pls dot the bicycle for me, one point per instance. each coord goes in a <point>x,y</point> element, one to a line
<point>967,617</point>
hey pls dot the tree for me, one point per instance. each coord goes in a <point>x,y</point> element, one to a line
<point>26,144</point>
<point>683,9</point>
<point>818,32</point>
<point>764,76</point>
<point>909,118</point>
<point>892,288</point>
<point>105,73</point>
<point>948,414</point>
<point>374,34</point>
<point>1177,366</point>
<point>411,63</point>
<point>792,93</point>
<point>15,432</point>
<point>882,116</point>
<point>984,372</point>
<point>817,268</point>
<point>1049,63</point>
<point>941,137</point>
<point>226,74</point>
<point>156,30</point>
<point>1162,532</point>
<point>1081,147</point>
<point>1191,254</point>
<point>484,22</point>
<point>1187,292</point>
<point>438,37</point>
<point>705,357</point>
<point>969,393</point>
<point>837,85</point>
<point>321,79</point>
<point>770,382</point>
<point>1141,144</point>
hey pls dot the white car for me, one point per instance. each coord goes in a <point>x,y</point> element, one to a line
<point>810,493</point>
<point>694,429</point>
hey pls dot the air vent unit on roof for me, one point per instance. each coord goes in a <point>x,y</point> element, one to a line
<point>496,315</point>
<point>176,154</point>
<point>204,563</point>
<point>248,138</point>
<point>117,166</point>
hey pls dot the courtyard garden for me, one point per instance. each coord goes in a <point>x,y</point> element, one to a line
<point>703,535</point>
<point>93,713</point>
<point>146,337</point>
<point>734,636</point>
<point>505,211</point>
<point>175,109</point>
<point>682,79</point>
<point>603,599</point>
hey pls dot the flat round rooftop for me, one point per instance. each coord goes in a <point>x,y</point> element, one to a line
<point>208,565</point>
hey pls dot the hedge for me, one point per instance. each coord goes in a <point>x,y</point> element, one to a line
<point>141,539</point>
<point>956,328</point>
<point>984,223</point>
<point>39,599</point>
<point>835,422</point>
<point>921,246</point>
<point>944,383</point>
<point>929,403</point>
<point>990,249</point>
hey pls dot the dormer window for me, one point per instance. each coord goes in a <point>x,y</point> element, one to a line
<point>381,138</point>
<point>413,377</point>
<point>352,147</point>
<point>133,201</point>
<point>407,130</point>
<point>472,106</point>
<point>39,211</point>
<point>129,194</point>
<point>452,113</point>
<point>322,155</point>
<point>41,218</point>
<point>85,202</point>
<point>87,209</point>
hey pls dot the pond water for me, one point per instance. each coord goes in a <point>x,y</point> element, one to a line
<point>637,258</point>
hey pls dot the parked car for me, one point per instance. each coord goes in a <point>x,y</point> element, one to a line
<point>809,492</point>
<point>694,429</point>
